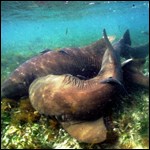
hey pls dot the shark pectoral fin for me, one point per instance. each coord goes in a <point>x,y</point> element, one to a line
<point>114,81</point>
<point>87,131</point>
<point>134,65</point>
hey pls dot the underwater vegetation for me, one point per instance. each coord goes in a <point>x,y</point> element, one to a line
<point>23,127</point>
<point>132,123</point>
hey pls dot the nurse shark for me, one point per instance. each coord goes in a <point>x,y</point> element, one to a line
<point>81,100</point>
<point>80,62</point>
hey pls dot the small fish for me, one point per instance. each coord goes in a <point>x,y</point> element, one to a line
<point>66,31</point>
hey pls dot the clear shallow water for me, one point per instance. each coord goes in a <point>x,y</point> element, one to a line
<point>39,25</point>
<point>30,27</point>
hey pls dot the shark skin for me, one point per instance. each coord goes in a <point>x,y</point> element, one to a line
<point>80,62</point>
<point>132,74</point>
<point>137,52</point>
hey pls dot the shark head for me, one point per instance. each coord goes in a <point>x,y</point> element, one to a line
<point>13,89</point>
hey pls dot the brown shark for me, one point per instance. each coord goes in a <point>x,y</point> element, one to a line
<point>132,73</point>
<point>70,97</point>
<point>137,52</point>
<point>81,62</point>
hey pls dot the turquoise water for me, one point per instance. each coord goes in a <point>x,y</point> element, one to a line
<point>39,25</point>
<point>30,27</point>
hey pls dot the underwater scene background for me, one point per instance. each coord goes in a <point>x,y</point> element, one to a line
<point>29,27</point>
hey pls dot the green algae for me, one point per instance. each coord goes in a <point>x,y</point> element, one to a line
<point>132,123</point>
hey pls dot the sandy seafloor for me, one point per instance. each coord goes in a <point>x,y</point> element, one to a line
<point>30,27</point>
